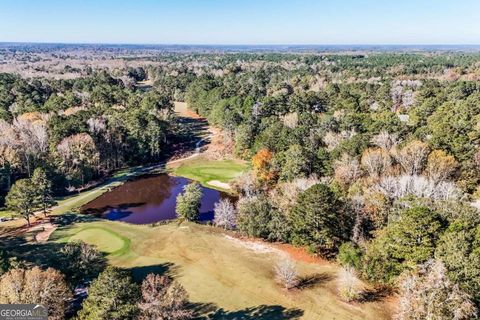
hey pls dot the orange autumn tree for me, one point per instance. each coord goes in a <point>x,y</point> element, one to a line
<point>440,166</point>
<point>262,166</point>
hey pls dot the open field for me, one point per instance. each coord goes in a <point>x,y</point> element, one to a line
<point>233,275</point>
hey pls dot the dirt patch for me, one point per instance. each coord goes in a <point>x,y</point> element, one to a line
<point>182,109</point>
<point>44,235</point>
<point>256,246</point>
<point>295,253</point>
<point>300,254</point>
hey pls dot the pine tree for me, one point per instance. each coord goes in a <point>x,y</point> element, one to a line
<point>43,188</point>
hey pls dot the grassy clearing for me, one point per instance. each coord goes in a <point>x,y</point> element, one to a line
<point>204,170</point>
<point>74,202</point>
<point>215,269</point>
<point>6,213</point>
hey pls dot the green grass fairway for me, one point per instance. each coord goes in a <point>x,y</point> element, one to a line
<point>77,201</point>
<point>219,271</point>
<point>6,213</point>
<point>203,170</point>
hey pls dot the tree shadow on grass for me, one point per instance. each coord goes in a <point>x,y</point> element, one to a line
<point>72,218</point>
<point>375,294</point>
<point>164,269</point>
<point>50,254</point>
<point>208,311</point>
<point>313,280</point>
<point>10,242</point>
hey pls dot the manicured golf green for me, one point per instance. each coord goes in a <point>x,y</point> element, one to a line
<point>104,239</point>
<point>205,171</point>
<point>232,274</point>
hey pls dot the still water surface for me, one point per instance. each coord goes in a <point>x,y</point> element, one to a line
<point>149,199</point>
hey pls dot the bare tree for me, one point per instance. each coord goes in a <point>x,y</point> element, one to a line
<point>357,207</point>
<point>96,125</point>
<point>28,136</point>
<point>412,157</point>
<point>385,140</point>
<point>476,158</point>
<point>163,299</point>
<point>402,93</point>
<point>290,120</point>
<point>350,287</point>
<point>408,99</point>
<point>225,214</point>
<point>246,184</point>
<point>46,287</point>
<point>376,161</point>
<point>429,294</point>
<point>419,186</point>
<point>347,170</point>
<point>286,274</point>
<point>333,139</point>
<point>78,152</point>
<point>285,194</point>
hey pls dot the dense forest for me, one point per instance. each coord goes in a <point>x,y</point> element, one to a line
<point>79,130</point>
<point>370,159</point>
<point>373,159</point>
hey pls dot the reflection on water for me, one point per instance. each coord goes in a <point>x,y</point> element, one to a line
<point>147,200</point>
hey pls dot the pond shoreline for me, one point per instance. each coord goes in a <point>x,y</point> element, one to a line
<point>149,199</point>
<point>116,178</point>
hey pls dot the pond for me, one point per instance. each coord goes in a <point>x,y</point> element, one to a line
<point>149,199</point>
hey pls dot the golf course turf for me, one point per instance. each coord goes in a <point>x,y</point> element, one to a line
<point>219,270</point>
<point>205,171</point>
<point>225,277</point>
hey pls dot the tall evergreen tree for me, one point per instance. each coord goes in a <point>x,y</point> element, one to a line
<point>318,221</point>
<point>21,198</point>
<point>43,188</point>
<point>113,295</point>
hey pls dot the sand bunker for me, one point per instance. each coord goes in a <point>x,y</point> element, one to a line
<point>219,184</point>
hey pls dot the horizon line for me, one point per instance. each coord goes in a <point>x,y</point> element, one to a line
<point>242,44</point>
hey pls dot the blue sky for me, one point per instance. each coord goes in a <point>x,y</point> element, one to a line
<point>242,21</point>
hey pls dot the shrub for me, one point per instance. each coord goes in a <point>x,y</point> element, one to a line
<point>350,287</point>
<point>286,274</point>
<point>349,255</point>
